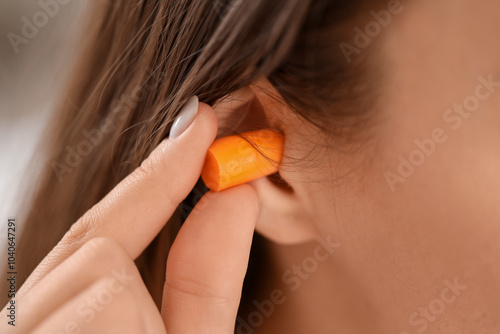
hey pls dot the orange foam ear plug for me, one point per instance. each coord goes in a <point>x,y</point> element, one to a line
<point>238,159</point>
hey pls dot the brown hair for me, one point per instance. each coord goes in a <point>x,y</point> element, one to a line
<point>141,60</point>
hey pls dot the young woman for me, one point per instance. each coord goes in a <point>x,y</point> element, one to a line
<point>383,218</point>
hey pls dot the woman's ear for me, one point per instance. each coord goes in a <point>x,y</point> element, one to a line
<point>283,216</point>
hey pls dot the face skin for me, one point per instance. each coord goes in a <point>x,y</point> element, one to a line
<point>419,254</point>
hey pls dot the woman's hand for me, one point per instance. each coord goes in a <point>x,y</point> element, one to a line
<point>89,282</point>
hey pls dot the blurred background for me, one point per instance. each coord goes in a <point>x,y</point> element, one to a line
<point>37,38</point>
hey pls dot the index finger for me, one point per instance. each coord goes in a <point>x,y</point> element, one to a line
<point>135,211</point>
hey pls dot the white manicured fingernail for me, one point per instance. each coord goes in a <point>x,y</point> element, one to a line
<point>185,118</point>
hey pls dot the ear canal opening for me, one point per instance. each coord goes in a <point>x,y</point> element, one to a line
<point>279,182</point>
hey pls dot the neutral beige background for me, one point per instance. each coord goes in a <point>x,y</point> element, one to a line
<point>30,81</point>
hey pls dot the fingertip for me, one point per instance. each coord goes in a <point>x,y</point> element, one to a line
<point>250,195</point>
<point>245,198</point>
<point>208,119</point>
<point>203,127</point>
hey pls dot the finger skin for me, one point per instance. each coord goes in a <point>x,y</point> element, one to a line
<point>138,207</point>
<point>98,259</point>
<point>127,311</point>
<point>208,261</point>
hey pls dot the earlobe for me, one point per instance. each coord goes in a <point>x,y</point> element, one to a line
<point>283,217</point>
